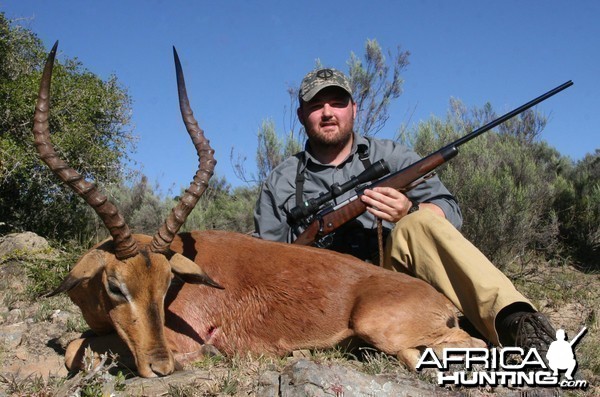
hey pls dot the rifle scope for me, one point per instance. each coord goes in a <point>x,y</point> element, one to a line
<point>375,171</point>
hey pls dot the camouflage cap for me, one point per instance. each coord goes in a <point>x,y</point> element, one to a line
<point>318,79</point>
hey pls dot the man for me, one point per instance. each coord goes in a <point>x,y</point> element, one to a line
<point>422,225</point>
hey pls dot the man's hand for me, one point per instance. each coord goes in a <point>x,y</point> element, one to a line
<point>389,204</point>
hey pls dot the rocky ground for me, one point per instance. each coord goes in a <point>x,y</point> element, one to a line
<point>34,332</point>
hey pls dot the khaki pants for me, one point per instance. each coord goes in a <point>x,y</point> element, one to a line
<point>427,246</point>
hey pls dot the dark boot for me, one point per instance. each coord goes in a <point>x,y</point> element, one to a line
<point>528,330</point>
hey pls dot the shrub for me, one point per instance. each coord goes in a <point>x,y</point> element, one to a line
<point>578,208</point>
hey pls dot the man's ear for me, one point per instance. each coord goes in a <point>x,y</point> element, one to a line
<point>300,115</point>
<point>190,272</point>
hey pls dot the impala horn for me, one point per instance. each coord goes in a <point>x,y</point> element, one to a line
<point>163,238</point>
<point>125,245</point>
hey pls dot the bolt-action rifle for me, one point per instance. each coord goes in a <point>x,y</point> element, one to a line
<point>321,218</point>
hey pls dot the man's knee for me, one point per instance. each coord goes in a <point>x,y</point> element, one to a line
<point>423,229</point>
<point>414,230</point>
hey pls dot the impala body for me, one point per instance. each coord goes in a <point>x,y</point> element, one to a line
<point>163,299</point>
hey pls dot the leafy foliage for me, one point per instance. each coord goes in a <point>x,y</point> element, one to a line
<point>578,207</point>
<point>143,209</point>
<point>223,208</point>
<point>272,150</point>
<point>89,120</point>
<point>372,87</point>
<point>46,274</point>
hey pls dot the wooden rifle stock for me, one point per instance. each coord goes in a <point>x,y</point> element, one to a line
<point>329,219</point>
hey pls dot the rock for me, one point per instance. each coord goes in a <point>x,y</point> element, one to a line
<point>12,335</point>
<point>27,242</point>
<point>4,310</point>
<point>306,377</point>
<point>22,354</point>
<point>195,379</point>
<point>268,384</point>
<point>305,353</point>
<point>61,317</point>
<point>14,316</point>
<point>44,367</point>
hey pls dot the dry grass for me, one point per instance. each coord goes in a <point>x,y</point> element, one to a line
<point>571,299</point>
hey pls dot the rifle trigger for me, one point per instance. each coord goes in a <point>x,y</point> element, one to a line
<point>321,231</point>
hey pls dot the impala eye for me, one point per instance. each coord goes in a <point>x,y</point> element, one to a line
<point>114,289</point>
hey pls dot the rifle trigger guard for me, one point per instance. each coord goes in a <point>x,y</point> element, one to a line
<point>322,240</point>
<point>321,231</point>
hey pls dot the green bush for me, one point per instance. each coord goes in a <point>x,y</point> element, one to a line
<point>89,124</point>
<point>46,272</point>
<point>141,205</point>
<point>223,208</point>
<point>578,208</point>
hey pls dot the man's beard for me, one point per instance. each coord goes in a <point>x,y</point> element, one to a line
<point>331,141</point>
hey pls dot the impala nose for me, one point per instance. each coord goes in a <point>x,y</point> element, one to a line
<point>163,367</point>
<point>153,366</point>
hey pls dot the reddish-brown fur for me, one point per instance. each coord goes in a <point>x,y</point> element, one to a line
<point>275,298</point>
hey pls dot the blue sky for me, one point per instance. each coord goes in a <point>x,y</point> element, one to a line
<point>239,58</point>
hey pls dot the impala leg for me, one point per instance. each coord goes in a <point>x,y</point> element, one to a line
<point>207,350</point>
<point>403,325</point>
<point>409,354</point>
<point>409,357</point>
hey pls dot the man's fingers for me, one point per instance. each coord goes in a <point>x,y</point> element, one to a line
<point>376,204</point>
<point>388,196</point>
<point>384,206</point>
<point>380,214</point>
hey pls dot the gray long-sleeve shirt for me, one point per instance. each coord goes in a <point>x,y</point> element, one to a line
<point>279,190</point>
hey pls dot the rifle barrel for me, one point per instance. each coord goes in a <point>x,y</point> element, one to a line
<point>511,114</point>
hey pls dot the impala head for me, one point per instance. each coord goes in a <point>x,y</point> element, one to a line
<point>121,284</point>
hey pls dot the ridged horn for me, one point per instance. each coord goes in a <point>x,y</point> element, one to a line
<point>163,238</point>
<point>125,245</point>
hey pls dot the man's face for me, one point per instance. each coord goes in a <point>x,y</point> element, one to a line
<point>328,117</point>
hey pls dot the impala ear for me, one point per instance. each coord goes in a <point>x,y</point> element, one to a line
<point>190,272</point>
<point>87,267</point>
